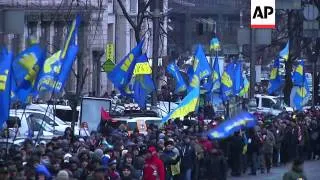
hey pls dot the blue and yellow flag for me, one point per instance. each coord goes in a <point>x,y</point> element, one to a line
<point>174,71</point>
<point>216,78</point>
<point>122,73</point>
<point>188,104</point>
<point>298,74</point>
<point>201,66</point>
<point>214,44</point>
<point>284,53</point>
<point>301,94</point>
<point>229,127</point>
<point>237,79</point>
<point>246,86</point>
<point>56,68</point>
<point>25,71</point>
<point>5,85</point>
<point>276,80</point>
<point>227,82</point>
<point>143,84</point>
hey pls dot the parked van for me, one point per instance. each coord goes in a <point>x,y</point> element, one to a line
<point>271,105</point>
<point>63,112</point>
<point>32,122</point>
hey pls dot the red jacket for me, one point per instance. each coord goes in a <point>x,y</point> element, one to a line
<point>153,169</point>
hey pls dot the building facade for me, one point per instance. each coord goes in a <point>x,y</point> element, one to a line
<point>47,22</point>
<point>102,23</point>
<point>198,21</point>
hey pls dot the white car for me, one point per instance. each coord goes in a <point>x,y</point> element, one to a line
<point>35,122</point>
<point>271,105</point>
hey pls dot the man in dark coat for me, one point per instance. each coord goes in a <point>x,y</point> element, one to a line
<point>188,158</point>
<point>236,147</point>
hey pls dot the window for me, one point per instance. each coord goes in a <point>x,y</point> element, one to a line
<point>133,6</point>
<point>267,103</point>
<point>37,119</point>
<point>12,121</point>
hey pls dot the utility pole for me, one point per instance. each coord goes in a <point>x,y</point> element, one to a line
<point>155,48</point>
<point>252,64</point>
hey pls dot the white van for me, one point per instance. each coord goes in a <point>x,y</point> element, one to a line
<point>270,105</point>
<point>63,112</point>
<point>32,121</point>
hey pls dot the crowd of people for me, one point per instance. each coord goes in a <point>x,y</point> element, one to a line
<point>180,150</point>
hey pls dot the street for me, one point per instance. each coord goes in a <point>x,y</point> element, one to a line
<point>312,171</point>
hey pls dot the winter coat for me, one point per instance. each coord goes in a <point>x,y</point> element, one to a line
<point>218,167</point>
<point>268,143</point>
<point>188,157</point>
<point>153,169</point>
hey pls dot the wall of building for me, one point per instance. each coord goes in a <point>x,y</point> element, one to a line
<point>47,21</point>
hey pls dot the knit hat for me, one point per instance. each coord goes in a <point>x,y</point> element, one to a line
<point>62,175</point>
<point>98,153</point>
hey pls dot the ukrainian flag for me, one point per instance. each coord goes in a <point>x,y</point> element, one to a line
<point>298,74</point>
<point>275,81</point>
<point>5,85</point>
<point>122,73</point>
<point>284,53</point>
<point>214,44</point>
<point>188,104</point>
<point>25,71</point>
<point>301,94</point>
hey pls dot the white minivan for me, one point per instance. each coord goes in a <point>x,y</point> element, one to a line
<point>270,105</point>
<point>30,121</point>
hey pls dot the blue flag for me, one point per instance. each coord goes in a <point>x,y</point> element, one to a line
<point>25,71</point>
<point>301,94</point>
<point>5,85</point>
<point>143,85</point>
<point>227,82</point>
<point>122,73</point>
<point>228,127</point>
<point>276,80</point>
<point>284,53</point>
<point>298,75</point>
<point>56,68</point>
<point>237,79</point>
<point>216,78</point>
<point>174,71</point>
<point>188,104</point>
<point>201,66</point>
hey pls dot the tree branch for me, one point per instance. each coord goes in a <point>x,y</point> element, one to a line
<point>125,13</point>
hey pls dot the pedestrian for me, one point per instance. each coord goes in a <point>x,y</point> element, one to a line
<point>268,145</point>
<point>236,149</point>
<point>153,167</point>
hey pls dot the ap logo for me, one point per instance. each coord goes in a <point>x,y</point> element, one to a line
<point>263,14</point>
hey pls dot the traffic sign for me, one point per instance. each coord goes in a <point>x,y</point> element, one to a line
<point>108,66</point>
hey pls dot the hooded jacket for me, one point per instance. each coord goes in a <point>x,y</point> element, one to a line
<point>153,167</point>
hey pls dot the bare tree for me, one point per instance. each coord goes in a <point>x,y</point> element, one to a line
<point>137,22</point>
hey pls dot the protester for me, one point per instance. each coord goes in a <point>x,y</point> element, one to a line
<point>176,151</point>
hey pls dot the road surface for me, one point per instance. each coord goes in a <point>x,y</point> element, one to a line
<point>311,168</point>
